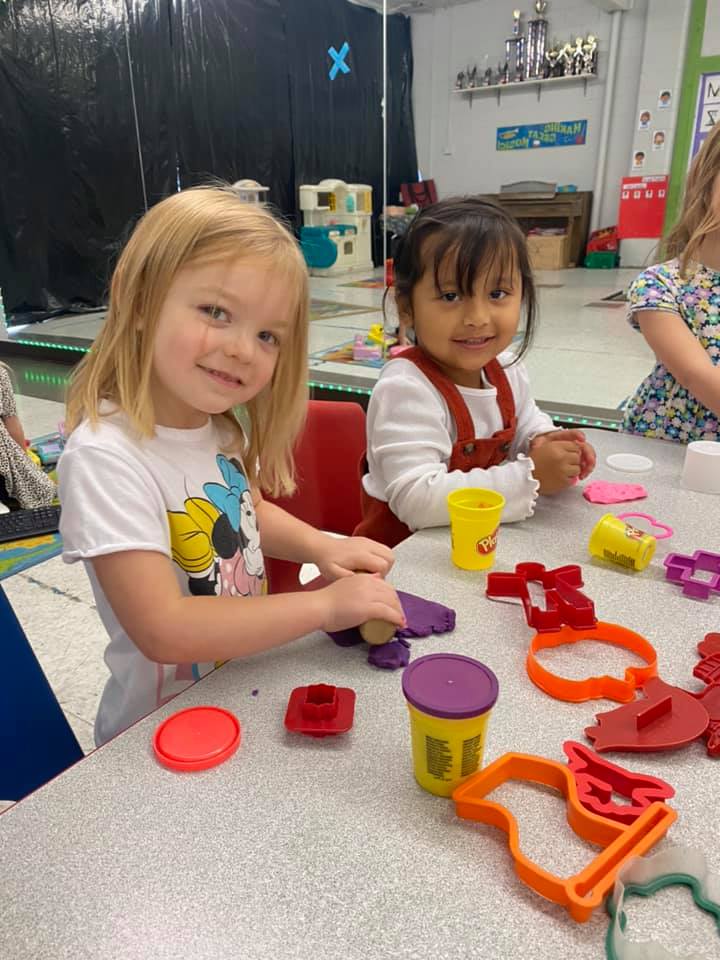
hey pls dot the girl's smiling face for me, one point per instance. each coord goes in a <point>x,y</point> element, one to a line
<point>217,340</point>
<point>462,332</point>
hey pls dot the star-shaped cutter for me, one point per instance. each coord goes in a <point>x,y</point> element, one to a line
<point>682,568</point>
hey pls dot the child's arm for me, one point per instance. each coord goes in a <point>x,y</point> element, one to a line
<point>287,538</point>
<point>168,627</point>
<point>535,428</point>
<point>8,409</point>
<point>15,429</point>
<point>678,349</point>
<point>409,448</point>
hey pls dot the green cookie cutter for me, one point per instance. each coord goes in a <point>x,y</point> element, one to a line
<point>643,877</point>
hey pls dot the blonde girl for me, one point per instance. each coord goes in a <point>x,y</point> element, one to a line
<point>676,307</point>
<point>160,482</point>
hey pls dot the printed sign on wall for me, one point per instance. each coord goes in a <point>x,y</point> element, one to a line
<point>708,109</point>
<point>530,136</point>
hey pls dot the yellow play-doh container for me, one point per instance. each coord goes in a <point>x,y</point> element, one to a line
<point>474,522</point>
<point>620,542</point>
<point>449,698</point>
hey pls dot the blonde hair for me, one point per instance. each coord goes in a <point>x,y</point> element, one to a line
<point>698,217</point>
<point>202,223</point>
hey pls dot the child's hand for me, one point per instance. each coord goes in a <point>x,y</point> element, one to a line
<point>588,460</point>
<point>353,600</point>
<point>558,461</point>
<point>587,453</point>
<point>341,558</point>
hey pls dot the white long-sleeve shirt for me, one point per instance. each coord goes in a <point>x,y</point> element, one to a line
<point>410,435</point>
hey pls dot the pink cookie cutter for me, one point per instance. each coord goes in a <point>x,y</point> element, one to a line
<point>654,524</point>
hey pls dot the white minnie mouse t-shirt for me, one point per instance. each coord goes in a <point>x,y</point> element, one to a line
<point>176,494</point>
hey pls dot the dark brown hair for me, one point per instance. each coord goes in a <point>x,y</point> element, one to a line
<point>479,236</point>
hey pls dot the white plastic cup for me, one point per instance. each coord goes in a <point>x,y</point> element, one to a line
<point>701,471</point>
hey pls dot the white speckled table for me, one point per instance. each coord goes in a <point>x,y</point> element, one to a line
<point>305,849</point>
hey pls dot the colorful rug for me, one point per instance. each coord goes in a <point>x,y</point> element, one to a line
<point>371,283</point>
<point>324,309</point>
<point>22,554</point>
<point>343,353</point>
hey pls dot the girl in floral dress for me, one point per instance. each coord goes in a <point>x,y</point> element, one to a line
<point>676,306</point>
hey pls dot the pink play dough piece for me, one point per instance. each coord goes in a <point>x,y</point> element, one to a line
<point>602,491</point>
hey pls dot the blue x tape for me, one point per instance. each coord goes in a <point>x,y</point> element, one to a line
<point>339,64</point>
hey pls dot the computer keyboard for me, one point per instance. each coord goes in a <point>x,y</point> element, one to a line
<point>21,524</point>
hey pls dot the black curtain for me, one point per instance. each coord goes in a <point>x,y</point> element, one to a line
<point>222,88</point>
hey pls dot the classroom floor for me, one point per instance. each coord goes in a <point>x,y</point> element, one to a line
<point>583,354</point>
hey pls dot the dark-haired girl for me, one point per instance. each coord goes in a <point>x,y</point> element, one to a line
<point>456,410</point>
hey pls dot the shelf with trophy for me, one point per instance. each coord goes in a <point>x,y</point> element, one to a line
<point>531,62</point>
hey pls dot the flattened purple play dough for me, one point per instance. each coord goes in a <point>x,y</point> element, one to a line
<point>346,638</point>
<point>423,618</point>
<point>390,656</point>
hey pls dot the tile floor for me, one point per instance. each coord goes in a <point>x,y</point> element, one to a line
<point>584,355</point>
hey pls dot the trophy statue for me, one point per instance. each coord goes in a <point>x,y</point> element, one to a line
<point>578,57</point>
<point>460,81</point>
<point>515,50</point>
<point>472,77</point>
<point>553,61</point>
<point>537,42</point>
<point>565,60</point>
<point>504,72</point>
<point>590,53</point>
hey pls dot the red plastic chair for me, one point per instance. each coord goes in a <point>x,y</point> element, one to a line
<point>327,473</point>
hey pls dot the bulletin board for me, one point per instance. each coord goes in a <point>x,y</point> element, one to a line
<point>642,207</point>
<point>707,112</point>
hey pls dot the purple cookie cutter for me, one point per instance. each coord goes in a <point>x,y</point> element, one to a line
<point>681,568</point>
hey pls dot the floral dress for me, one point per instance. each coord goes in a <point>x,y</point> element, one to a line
<point>661,407</point>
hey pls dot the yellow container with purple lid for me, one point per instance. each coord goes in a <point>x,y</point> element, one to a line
<point>449,697</point>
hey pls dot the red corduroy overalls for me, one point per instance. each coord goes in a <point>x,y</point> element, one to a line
<point>379,522</point>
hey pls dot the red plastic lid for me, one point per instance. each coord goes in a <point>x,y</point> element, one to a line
<point>197,738</point>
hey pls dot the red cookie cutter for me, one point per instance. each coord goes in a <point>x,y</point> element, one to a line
<point>665,719</point>
<point>563,601</point>
<point>585,891</point>
<point>710,699</point>
<point>593,688</point>
<point>597,780</point>
<point>708,670</point>
<point>320,710</point>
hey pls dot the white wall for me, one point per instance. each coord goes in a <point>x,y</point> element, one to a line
<point>662,68</point>
<point>456,143</point>
<point>711,37</point>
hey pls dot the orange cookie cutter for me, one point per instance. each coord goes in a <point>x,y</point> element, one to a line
<point>585,891</point>
<point>592,688</point>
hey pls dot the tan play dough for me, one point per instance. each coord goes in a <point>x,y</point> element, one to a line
<point>377,632</point>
